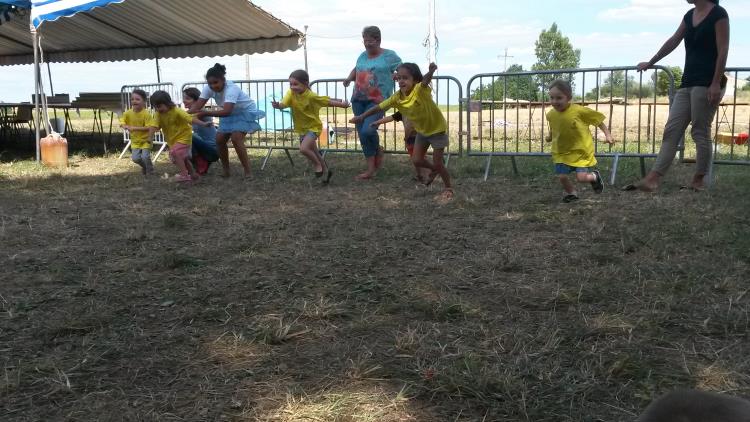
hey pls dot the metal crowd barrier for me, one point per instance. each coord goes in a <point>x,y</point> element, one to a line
<point>276,128</point>
<point>732,120</point>
<point>506,112</point>
<point>341,136</point>
<point>125,92</point>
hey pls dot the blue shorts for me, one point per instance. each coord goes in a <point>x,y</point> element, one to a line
<point>310,133</point>
<point>561,168</point>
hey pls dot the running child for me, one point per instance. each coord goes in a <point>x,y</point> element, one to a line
<point>572,144</point>
<point>410,137</point>
<point>175,123</point>
<point>204,135</point>
<point>306,106</point>
<point>414,101</point>
<point>138,121</point>
<point>239,115</point>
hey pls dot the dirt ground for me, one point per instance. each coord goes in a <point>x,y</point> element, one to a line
<point>278,299</point>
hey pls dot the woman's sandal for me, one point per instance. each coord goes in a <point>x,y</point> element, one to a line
<point>445,196</point>
<point>363,176</point>
<point>637,186</point>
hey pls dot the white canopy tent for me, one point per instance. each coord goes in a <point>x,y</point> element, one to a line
<point>113,30</point>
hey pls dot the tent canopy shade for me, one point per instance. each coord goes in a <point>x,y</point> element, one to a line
<point>148,29</point>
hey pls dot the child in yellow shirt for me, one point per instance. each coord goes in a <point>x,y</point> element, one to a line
<point>306,106</point>
<point>176,124</point>
<point>138,121</point>
<point>572,144</point>
<point>414,101</point>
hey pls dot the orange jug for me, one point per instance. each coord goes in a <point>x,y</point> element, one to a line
<point>54,150</point>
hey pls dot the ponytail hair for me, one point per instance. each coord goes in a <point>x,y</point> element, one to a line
<point>302,76</point>
<point>218,71</point>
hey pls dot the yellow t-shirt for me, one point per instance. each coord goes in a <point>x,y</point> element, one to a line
<point>139,139</point>
<point>176,124</point>
<point>572,143</point>
<point>305,110</point>
<point>419,108</point>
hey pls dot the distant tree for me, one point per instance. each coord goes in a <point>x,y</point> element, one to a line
<point>614,85</point>
<point>518,87</point>
<point>555,51</point>
<point>662,80</point>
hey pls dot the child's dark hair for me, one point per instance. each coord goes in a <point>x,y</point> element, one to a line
<point>301,76</point>
<point>563,86</point>
<point>218,71</point>
<point>413,70</point>
<point>161,97</point>
<point>141,93</point>
<point>192,93</point>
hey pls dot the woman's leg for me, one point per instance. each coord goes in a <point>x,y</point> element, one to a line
<point>238,140</point>
<point>221,147</point>
<point>702,115</point>
<point>368,137</point>
<point>674,130</point>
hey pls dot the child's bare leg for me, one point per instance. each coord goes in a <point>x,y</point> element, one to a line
<point>181,163</point>
<point>418,158</point>
<point>371,169</point>
<point>567,185</point>
<point>238,140</point>
<point>439,167</point>
<point>309,148</point>
<point>221,147</point>
<point>585,177</point>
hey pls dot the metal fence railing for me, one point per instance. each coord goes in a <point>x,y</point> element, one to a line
<point>732,120</point>
<point>150,88</point>
<point>341,136</point>
<point>506,112</point>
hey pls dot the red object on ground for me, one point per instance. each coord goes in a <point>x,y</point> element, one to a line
<point>742,138</point>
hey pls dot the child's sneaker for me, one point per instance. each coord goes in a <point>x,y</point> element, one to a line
<point>179,178</point>
<point>597,184</point>
<point>571,197</point>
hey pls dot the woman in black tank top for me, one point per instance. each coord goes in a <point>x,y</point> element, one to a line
<point>705,30</point>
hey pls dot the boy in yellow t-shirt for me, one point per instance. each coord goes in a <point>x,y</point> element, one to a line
<point>414,101</point>
<point>176,124</point>
<point>138,121</point>
<point>572,145</point>
<point>306,106</point>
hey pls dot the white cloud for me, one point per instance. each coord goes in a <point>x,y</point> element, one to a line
<point>666,11</point>
<point>461,52</point>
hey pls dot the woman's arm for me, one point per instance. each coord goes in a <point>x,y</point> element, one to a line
<point>349,79</point>
<point>197,105</point>
<point>668,47</point>
<point>722,46</point>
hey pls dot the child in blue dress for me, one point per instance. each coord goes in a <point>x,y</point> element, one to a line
<point>238,115</point>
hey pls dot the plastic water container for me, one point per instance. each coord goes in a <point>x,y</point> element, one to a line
<point>54,149</point>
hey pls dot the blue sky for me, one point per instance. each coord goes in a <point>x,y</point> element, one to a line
<point>472,34</point>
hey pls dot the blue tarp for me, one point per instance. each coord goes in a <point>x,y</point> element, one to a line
<point>50,10</point>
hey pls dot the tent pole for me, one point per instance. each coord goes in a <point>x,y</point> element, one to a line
<point>158,69</point>
<point>37,116</point>
<point>51,89</point>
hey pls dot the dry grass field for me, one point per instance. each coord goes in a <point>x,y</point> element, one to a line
<point>278,299</point>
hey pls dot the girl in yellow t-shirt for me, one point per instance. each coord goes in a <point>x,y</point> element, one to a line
<point>176,124</point>
<point>572,145</point>
<point>306,107</point>
<point>414,101</point>
<point>138,121</point>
